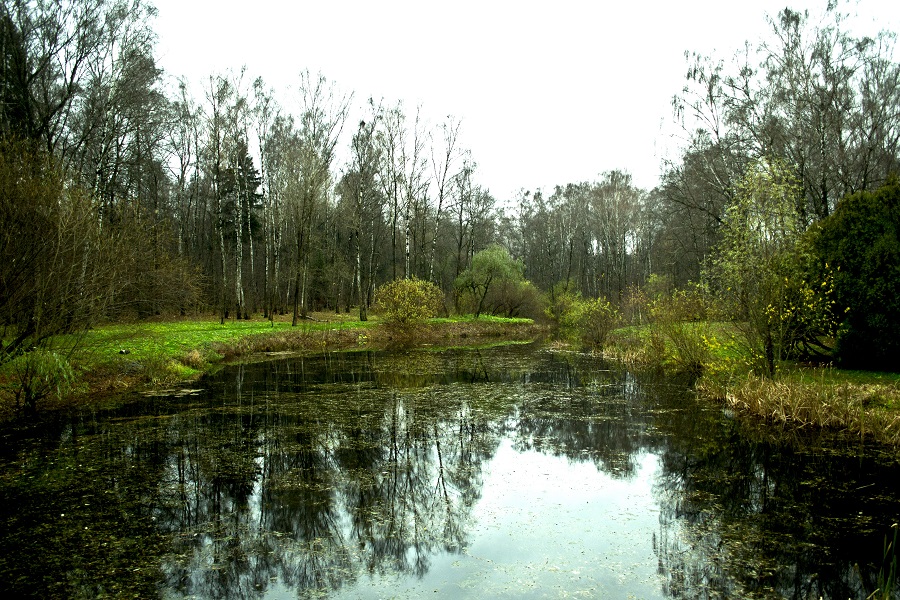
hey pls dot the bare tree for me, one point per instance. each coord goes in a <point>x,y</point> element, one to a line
<point>810,93</point>
<point>323,113</point>
<point>360,189</point>
<point>444,168</point>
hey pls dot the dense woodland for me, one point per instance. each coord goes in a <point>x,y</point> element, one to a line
<point>125,196</point>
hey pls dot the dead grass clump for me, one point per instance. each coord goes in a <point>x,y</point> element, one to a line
<point>193,359</point>
<point>861,409</point>
<point>299,340</point>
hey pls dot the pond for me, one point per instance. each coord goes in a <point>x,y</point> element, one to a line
<point>510,472</point>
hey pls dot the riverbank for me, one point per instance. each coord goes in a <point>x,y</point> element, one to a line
<point>864,403</point>
<point>118,358</point>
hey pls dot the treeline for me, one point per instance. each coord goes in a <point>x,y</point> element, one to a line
<point>125,198</point>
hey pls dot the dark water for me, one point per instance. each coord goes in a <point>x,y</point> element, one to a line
<point>512,472</point>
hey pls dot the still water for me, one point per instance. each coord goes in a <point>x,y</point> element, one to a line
<point>512,472</point>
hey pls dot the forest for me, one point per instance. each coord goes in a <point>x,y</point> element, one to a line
<point>125,196</point>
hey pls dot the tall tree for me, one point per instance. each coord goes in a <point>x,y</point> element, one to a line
<point>218,95</point>
<point>444,159</point>
<point>323,113</point>
<point>810,93</point>
<point>50,52</point>
<point>756,270</point>
<point>360,189</point>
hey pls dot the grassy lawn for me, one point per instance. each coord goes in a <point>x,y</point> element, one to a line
<point>117,357</point>
<point>175,340</point>
<point>190,342</point>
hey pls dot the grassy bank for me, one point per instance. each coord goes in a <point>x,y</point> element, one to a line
<point>120,357</point>
<point>801,395</point>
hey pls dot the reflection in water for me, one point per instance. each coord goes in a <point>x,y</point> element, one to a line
<point>506,472</point>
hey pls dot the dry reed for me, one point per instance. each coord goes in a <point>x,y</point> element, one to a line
<point>859,408</point>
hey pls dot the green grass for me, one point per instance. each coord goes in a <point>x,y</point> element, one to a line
<point>162,352</point>
<point>117,357</point>
<point>177,340</point>
<point>173,339</point>
<point>835,375</point>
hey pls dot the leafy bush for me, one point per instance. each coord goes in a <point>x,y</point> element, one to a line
<point>859,245</point>
<point>593,320</point>
<point>493,273</point>
<point>39,374</point>
<point>590,320</point>
<point>511,298</point>
<point>408,301</point>
<point>678,330</point>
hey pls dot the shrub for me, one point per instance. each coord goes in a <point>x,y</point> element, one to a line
<point>560,302</point>
<point>39,374</point>
<point>593,320</point>
<point>588,320</point>
<point>679,335</point>
<point>511,298</point>
<point>408,301</point>
<point>493,273</point>
<point>860,245</point>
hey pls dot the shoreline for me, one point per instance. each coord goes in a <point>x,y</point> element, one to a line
<point>107,374</point>
<point>866,404</point>
<point>861,403</point>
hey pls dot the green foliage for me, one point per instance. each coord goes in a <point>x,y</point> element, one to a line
<point>493,270</point>
<point>679,330</point>
<point>408,301</point>
<point>36,375</point>
<point>514,298</point>
<point>594,319</point>
<point>859,247</point>
<point>590,320</point>
<point>561,295</point>
<point>887,575</point>
<point>757,271</point>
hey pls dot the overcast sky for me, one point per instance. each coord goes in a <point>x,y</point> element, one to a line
<point>548,93</point>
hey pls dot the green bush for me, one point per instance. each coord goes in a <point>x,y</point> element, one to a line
<point>561,299</point>
<point>511,298</point>
<point>593,320</point>
<point>408,301</point>
<point>590,320</point>
<point>36,375</point>
<point>859,245</point>
<point>678,330</point>
<point>494,282</point>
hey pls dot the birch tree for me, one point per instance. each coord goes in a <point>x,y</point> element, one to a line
<point>217,95</point>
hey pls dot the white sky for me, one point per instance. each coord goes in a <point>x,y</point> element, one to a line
<point>548,92</point>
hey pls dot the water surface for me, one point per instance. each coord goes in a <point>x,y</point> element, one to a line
<point>512,472</point>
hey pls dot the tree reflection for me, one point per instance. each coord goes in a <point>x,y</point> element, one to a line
<point>748,514</point>
<point>313,473</point>
<point>330,475</point>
